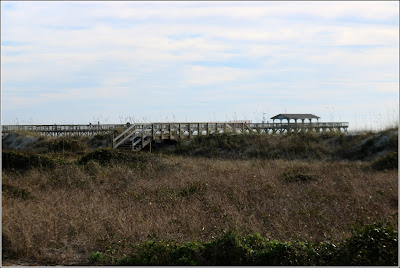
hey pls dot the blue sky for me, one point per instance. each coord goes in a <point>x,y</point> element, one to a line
<point>80,62</point>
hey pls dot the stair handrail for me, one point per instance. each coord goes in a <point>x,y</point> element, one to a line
<point>126,130</point>
<point>140,132</point>
<point>125,138</point>
<point>248,127</point>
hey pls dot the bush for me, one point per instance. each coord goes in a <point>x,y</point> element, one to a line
<point>70,145</point>
<point>6,250</point>
<point>276,253</point>
<point>374,244</point>
<point>187,254</point>
<point>291,146</point>
<point>16,192</point>
<point>226,250</point>
<point>96,258</point>
<point>297,176</point>
<point>388,162</point>
<point>102,156</point>
<point>106,156</point>
<point>92,168</point>
<point>25,161</point>
<point>150,253</point>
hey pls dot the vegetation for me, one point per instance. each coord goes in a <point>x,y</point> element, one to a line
<point>306,146</point>
<point>388,161</point>
<point>23,161</point>
<point>67,144</point>
<point>374,244</point>
<point>297,204</point>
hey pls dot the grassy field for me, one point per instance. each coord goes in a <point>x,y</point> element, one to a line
<point>70,204</point>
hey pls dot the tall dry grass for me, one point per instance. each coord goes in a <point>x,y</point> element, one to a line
<point>70,209</point>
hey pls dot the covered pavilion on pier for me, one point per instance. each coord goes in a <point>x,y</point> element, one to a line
<point>295,117</point>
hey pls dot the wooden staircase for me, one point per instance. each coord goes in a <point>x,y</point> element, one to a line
<point>134,138</point>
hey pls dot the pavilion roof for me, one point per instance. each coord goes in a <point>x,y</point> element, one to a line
<point>295,116</point>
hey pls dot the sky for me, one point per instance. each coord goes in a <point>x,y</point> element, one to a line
<point>79,62</point>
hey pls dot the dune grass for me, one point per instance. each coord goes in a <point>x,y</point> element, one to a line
<point>64,212</point>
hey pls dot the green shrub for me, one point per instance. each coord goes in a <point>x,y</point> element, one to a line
<point>226,250</point>
<point>67,144</point>
<point>374,244</point>
<point>297,176</point>
<point>16,192</point>
<point>24,161</point>
<point>276,253</point>
<point>388,162</point>
<point>193,187</point>
<point>150,253</point>
<point>92,168</point>
<point>102,156</point>
<point>96,258</point>
<point>106,156</point>
<point>7,250</point>
<point>187,254</point>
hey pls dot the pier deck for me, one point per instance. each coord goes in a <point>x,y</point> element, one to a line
<point>138,135</point>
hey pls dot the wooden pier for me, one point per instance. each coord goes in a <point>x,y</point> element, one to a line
<point>65,130</point>
<point>138,135</point>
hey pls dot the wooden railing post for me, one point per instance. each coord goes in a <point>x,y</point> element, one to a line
<point>143,133</point>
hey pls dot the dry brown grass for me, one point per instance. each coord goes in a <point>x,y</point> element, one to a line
<point>73,207</point>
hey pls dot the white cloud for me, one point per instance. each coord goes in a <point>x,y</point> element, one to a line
<point>371,57</point>
<point>199,75</point>
<point>366,35</point>
<point>247,10</point>
<point>228,51</point>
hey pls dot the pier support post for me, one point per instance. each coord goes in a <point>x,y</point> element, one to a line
<point>198,130</point>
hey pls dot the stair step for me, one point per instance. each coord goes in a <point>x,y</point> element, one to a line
<point>137,138</point>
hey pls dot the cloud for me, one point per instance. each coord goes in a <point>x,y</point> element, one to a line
<point>247,11</point>
<point>366,35</point>
<point>201,54</point>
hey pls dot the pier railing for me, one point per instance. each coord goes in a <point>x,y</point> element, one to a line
<point>176,129</point>
<point>138,135</point>
<point>61,128</point>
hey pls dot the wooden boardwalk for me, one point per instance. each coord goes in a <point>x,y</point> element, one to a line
<point>136,136</point>
<point>65,130</point>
